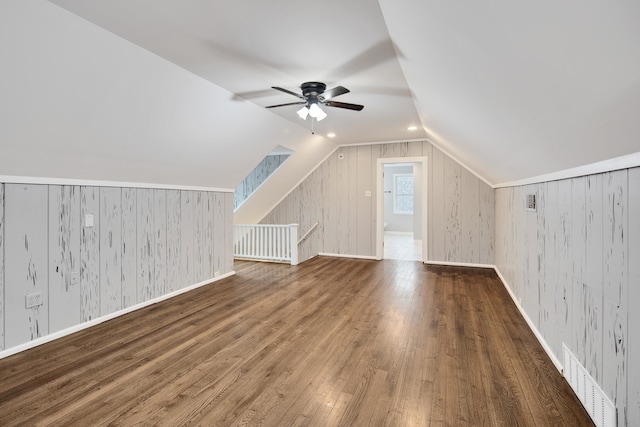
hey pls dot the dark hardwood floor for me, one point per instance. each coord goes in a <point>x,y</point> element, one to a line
<point>332,341</point>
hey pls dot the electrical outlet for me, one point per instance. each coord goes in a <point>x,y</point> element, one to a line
<point>33,300</point>
<point>216,274</point>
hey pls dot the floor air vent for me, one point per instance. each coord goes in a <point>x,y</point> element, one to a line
<point>601,410</point>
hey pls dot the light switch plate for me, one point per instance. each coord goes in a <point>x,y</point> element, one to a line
<point>88,220</point>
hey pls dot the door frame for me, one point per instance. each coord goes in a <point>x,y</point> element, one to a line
<point>423,160</point>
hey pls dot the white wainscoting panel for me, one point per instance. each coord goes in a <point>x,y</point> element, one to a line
<point>436,202</point>
<point>583,287</point>
<point>160,240</point>
<point>26,262</point>
<point>227,245</point>
<point>82,254</point>
<point>577,340</point>
<point>341,191</point>
<point>2,266</point>
<point>486,223</point>
<point>174,242</point>
<point>365,235</point>
<point>208,214</point>
<point>453,227</point>
<point>594,277</point>
<point>616,286</point>
<point>129,248</point>
<point>186,232</point>
<point>64,257</point>
<point>218,232</point>
<point>90,253</point>
<point>146,244</point>
<point>110,250</point>
<point>198,235</point>
<point>469,217</point>
<point>564,270</point>
<point>541,244</point>
<point>633,337</point>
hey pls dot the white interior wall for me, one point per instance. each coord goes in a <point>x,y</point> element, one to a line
<point>460,208</point>
<point>573,266</point>
<point>144,244</point>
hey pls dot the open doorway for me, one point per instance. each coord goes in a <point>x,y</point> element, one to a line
<point>401,209</point>
<point>402,239</point>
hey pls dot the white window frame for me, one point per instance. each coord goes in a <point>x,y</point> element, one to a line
<point>396,194</point>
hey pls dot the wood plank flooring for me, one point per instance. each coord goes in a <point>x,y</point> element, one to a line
<point>330,342</point>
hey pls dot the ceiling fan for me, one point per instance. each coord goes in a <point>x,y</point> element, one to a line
<point>315,94</point>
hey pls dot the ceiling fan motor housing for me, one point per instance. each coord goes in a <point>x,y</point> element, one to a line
<point>312,89</point>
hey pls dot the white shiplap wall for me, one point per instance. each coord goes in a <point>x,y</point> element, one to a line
<point>633,349</point>
<point>1,266</point>
<point>573,266</point>
<point>129,248</point>
<point>110,250</point>
<point>257,176</point>
<point>138,249</point>
<point>25,254</point>
<point>64,260</point>
<point>460,206</point>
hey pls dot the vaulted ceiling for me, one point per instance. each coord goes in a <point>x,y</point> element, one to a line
<point>513,90</point>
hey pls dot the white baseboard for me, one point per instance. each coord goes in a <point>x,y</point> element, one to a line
<point>459,264</point>
<point>347,256</point>
<point>532,326</point>
<point>76,328</point>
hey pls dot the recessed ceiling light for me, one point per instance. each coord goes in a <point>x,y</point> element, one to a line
<point>412,128</point>
<point>331,135</point>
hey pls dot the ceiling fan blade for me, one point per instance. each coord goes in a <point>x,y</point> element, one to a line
<point>331,93</point>
<point>288,91</point>
<point>283,105</point>
<point>356,107</point>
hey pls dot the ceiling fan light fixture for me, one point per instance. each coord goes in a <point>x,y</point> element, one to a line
<point>303,112</point>
<point>316,112</point>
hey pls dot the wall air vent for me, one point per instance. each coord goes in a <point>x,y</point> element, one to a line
<point>599,407</point>
<point>531,202</point>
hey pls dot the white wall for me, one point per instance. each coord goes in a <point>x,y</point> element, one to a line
<point>460,206</point>
<point>79,102</point>
<point>145,243</point>
<point>575,266</point>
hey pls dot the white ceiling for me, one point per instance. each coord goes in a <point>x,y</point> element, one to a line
<point>511,89</point>
<point>247,47</point>
<point>520,89</point>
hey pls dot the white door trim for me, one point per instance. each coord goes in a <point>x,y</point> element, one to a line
<point>380,202</point>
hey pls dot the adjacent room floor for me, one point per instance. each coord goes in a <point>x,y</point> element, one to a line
<point>402,247</point>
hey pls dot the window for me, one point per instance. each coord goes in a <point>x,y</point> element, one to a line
<point>403,193</point>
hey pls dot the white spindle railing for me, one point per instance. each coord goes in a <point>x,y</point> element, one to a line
<point>270,242</point>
